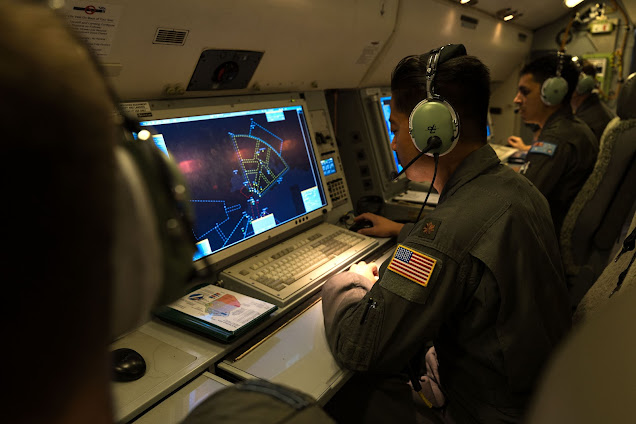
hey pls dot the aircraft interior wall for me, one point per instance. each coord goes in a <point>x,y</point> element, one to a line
<point>582,44</point>
<point>305,46</point>
<point>597,45</point>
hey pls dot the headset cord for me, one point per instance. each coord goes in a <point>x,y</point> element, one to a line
<point>415,383</point>
<point>436,158</point>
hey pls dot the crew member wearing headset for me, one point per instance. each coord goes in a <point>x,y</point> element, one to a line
<point>562,158</point>
<point>586,104</point>
<point>479,277</point>
<point>73,244</point>
<point>518,143</point>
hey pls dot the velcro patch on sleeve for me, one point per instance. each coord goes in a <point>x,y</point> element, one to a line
<point>412,265</point>
<point>543,148</point>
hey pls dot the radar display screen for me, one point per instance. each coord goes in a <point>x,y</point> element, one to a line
<point>248,171</point>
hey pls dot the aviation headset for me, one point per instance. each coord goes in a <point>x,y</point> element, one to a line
<point>586,82</point>
<point>433,120</point>
<point>555,88</point>
<point>153,240</point>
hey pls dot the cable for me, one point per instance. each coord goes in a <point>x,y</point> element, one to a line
<point>436,158</point>
<point>433,142</point>
<point>564,39</point>
<point>621,52</point>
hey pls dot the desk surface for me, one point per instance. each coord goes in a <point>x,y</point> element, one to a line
<point>175,356</point>
<point>180,404</point>
<point>297,355</point>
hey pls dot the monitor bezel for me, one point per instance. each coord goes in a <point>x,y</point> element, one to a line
<point>259,242</point>
<point>387,131</point>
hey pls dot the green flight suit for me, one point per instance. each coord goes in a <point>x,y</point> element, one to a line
<point>495,303</point>
<point>560,171</point>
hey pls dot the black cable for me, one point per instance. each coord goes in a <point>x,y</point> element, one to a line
<point>433,142</point>
<point>436,158</point>
<point>622,276</point>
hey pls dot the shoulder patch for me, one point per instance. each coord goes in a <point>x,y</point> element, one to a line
<point>543,148</point>
<point>412,265</point>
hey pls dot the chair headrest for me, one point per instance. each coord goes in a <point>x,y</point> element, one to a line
<point>626,104</point>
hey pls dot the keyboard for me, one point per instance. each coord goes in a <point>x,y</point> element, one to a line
<point>287,271</point>
<point>503,152</point>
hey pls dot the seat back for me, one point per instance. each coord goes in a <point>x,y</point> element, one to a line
<point>602,208</point>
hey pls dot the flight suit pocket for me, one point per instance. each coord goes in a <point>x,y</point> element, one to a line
<point>359,333</point>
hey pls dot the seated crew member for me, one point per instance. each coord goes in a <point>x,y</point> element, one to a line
<point>61,263</point>
<point>493,316</point>
<point>586,104</point>
<point>60,182</point>
<point>562,158</point>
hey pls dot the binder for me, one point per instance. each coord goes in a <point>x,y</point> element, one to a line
<point>216,312</point>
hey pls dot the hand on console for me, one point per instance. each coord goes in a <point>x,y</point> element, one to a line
<point>380,226</point>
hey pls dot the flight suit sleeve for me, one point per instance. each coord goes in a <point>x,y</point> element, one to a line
<point>406,230</point>
<point>545,170</point>
<point>382,329</point>
<point>340,292</point>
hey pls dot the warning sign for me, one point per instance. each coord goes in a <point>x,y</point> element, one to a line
<point>95,23</point>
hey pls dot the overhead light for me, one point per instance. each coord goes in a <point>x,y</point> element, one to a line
<point>572,3</point>
<point>144,135</point>
<point>508,14</point>
<point>464,1</point>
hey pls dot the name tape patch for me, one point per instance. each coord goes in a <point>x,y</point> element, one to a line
<point>413,265</point>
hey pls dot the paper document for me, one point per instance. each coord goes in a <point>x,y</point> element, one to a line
<point>222,307</point>
<point>504,152</point>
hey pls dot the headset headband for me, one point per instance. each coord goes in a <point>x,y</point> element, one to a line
<point>431,69</point>
<point>561,57</point>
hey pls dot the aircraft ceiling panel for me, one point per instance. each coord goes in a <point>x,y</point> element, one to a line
<point>495,42</point>
<point>307,44</point>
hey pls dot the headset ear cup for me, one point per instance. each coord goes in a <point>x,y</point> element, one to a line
<point>136,256</point>
<point>586,84</point>
<point>434,118</point>
<point>172,209</point>
<point>553,90</point>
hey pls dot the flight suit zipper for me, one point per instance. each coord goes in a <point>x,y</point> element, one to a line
<point>371,304</point>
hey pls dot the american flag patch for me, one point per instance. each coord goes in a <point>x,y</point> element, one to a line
<point>412,265</point>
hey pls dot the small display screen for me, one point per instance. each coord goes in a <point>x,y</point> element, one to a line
<point>328,167</point>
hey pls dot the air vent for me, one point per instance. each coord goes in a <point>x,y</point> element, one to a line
<point>173,37</point>
<point>468,22</point>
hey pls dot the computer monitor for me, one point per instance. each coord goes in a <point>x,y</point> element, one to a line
<point>251,170</point>
<point>385,106</point>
